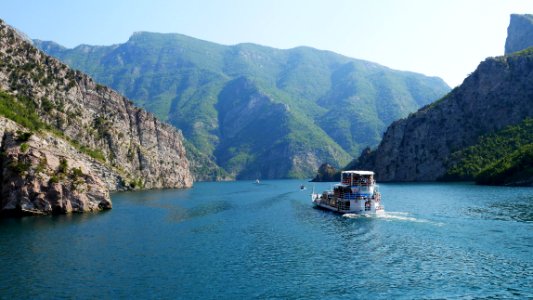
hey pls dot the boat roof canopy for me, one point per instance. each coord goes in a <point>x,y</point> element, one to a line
<point>358,172</point>
<point>340,185</point>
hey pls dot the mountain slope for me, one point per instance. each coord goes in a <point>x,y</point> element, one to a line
<point>421,147</point>
<point>488,149</point>
<point>74,137</point>
<point>514,169</point>
<point>343,104</point>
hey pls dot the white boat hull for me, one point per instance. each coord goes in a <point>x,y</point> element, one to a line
<point>356,206</point>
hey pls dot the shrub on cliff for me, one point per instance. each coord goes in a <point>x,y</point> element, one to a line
<point>513,169</point>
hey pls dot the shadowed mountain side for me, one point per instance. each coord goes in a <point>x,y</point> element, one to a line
<point>427,144</point>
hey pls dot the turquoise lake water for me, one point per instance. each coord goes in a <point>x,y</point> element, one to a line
<point>239,240</point>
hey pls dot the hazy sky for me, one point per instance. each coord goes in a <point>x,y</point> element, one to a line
<point>445,38</point>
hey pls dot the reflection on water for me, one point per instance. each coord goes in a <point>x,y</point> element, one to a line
<point>180,214</point>
<point>44,222</point>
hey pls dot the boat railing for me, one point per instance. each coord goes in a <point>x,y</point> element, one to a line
<point>358,183</point>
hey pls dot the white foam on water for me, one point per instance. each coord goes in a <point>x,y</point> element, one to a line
<point>400,216</point>
<point>355,216</point>
<point>391,216</point>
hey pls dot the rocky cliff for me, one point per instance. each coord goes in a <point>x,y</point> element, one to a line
<point>499,93</point>
<point>128,147</point>
<point>519,33</point>
<point>327,172</point>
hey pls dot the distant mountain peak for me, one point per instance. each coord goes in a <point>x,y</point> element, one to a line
<point>519,33</point>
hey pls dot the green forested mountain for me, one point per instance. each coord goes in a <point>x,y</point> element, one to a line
<point>259,112</point>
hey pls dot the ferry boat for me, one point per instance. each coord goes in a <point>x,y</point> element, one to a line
<point>357,193</point>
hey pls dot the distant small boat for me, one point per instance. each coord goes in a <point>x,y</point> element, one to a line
<point>356,193</point>
<point>302,187</point>
<point>257,181</point>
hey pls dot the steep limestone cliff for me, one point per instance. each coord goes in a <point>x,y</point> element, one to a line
<point>499,93</point>
<point>519,33</point>
<point>129,147</point>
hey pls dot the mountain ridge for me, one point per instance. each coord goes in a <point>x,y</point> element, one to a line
<point>181,80</point>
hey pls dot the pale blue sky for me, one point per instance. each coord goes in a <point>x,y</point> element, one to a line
<point>445,38</point>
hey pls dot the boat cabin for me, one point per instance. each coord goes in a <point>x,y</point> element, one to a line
<point>357,178</point>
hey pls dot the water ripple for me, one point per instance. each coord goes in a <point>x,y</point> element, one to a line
<point>504,211</point>
<point>181,214</point>
<point>267,242</point>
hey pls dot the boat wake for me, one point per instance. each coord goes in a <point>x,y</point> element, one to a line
<point>391,216</point>
<point>358,216</point>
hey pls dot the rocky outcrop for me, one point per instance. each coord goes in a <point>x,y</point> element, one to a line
<point>327,173</point>
<point>519,33</point>
<point>42,174</point>
<point>499,93</point>
<point>129,147</point>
